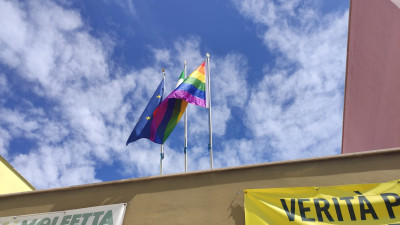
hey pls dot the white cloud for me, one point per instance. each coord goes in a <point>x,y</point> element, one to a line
<point>297,107</point>
<point>57,166</point>
<point>4,142</point>
<point>17,122</point>
<point>13,33</point>
<point>49,46</point>
<point>86,114</point>
<point>85,124</point>
<point>162,56</point>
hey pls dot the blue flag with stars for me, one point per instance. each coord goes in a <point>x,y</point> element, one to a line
<point>143,126</point>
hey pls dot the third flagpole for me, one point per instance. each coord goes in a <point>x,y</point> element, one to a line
<point>208,101</point>
<point>162,145</point>
<point>185,147</point>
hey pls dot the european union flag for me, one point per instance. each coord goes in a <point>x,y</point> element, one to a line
<point>143,126</point>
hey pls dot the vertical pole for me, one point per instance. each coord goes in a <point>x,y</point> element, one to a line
<point>161,158</point>
<point>185,147</point>
<point>208,99</point>
<point>162,145</point>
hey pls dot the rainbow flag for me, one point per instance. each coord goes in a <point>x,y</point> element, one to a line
<point>166,116</point>
<point>171,109</point>
<point>193,88</point>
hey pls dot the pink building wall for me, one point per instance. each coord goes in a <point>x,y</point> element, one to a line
<point>371,118</point>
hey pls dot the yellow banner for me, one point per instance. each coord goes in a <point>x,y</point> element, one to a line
<point>346,204</point>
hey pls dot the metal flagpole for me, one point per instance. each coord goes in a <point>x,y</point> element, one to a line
<point>185,147</point>
<point>162,145</point>
<point>208,96</point>
<point>161,158</point>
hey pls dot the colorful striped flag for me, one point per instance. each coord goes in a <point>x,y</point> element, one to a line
<point>167,116</point>
<point>169,112</point>
<point>193,88</point>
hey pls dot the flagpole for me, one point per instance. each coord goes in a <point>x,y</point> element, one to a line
<point>185,147</point>
<point>162,145</point>
<point>208,96</point>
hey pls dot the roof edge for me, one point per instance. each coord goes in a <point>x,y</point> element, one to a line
<point>227,169</point>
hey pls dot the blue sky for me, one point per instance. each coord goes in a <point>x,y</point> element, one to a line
<point>76,75</point>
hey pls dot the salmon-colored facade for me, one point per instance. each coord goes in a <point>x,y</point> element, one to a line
<point>371,117</point>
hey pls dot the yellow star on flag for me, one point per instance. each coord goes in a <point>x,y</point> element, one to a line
<point>148,118</point>
<point>158,96</point>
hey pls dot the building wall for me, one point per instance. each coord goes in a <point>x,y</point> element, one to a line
<point>372,105</point>
<point>208,197</point>
<point>10,180</point>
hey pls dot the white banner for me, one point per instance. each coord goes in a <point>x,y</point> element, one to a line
<point>99,215</point>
